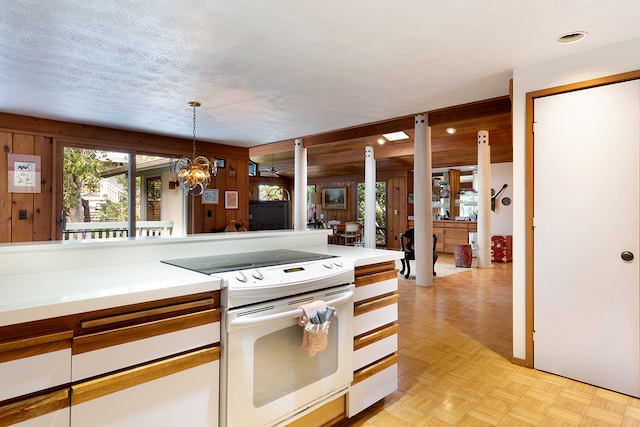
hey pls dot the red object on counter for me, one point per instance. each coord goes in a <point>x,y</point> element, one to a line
<point>501,248</point>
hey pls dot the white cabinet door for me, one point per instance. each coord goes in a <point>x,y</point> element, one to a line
<point>29,365</point>
<point>586,316</point>
<point>181,391</point>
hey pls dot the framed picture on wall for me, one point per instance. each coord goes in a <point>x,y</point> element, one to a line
<point>220,163</point>
<point>334,198</point>
<point>24,173</point>
<point>210,197</point>
<point>231,200</point>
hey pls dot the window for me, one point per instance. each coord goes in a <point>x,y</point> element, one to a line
<point>96,198</point>
<point>272,192</point>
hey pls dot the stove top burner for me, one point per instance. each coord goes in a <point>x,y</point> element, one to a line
<point>241,261</point>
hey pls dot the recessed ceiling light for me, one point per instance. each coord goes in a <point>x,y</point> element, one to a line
<point>572,37</point>
<point>451,131</point>
<point>395,136</point>
<point>381,141</point>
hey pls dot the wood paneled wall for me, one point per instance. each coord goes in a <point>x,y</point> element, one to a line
<point>45,138</point>
<point>398,188</point>
<point>38,206</point>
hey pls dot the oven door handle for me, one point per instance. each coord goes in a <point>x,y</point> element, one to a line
<point>254,321</point>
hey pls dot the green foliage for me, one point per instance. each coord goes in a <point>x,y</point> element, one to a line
<point>82,170</point>
<point>114,211</point>
<point>381,207</point>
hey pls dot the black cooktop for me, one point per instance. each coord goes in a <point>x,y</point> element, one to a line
<point>220,263</point>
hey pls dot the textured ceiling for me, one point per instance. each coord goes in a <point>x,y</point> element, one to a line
<point>267,71</point>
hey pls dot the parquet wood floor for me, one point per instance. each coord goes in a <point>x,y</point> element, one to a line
<point>454,365</point>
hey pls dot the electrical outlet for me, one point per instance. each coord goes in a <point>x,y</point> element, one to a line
<point>22,214</point>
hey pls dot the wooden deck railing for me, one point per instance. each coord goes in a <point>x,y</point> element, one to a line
<point>110,230</point>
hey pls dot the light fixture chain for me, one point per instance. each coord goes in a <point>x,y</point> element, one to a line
<point>194,131</point>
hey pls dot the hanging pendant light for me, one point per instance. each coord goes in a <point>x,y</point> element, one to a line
<point>194,173</point>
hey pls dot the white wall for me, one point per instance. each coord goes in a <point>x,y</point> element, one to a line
<point>599,62</point>
<point>173,205</point>
<point>502,218</point>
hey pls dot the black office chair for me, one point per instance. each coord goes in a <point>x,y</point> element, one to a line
<point>407,246</point>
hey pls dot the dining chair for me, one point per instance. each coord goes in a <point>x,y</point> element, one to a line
<point>407,246</point>
<point>350,233</point>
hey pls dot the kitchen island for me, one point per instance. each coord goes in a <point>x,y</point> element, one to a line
<point>125,318</point>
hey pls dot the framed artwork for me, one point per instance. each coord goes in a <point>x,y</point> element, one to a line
<point>24,173</point>
<point>334,198</point>
<point>410,199</point>
<point>210,197</point>
<point>253,168</point>
<point>231,200</point>
<point>220,163</point>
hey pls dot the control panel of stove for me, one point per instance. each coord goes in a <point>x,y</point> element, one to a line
<point>271,282</point>
<point>283,274</point>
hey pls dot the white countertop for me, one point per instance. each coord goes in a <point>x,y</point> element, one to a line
<point>360,256</point>
<point>35,296</point>
<point>62,291</point>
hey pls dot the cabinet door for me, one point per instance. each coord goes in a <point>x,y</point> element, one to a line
<point>32,364</point>
<point>180,391</point>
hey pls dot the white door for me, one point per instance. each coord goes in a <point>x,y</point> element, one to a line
<point>586,316</point>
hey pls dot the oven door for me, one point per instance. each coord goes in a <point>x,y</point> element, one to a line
<point>268,377</point>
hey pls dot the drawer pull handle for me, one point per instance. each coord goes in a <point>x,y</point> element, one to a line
<point>209,302</point>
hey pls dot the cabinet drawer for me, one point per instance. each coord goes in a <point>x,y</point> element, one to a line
<point>372,384</point>
<point>372,314</point>
<point>182,390</point>
<point>457,225</point>
<point>108,351</point>
<point>32,364</point>
<point>375,345</point>
<point>371,290</point>
<point>456,236</point>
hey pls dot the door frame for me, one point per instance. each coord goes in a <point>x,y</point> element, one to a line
<point>529,191</point>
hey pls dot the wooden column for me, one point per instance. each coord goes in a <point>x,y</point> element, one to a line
<point>484,200</point>
<point>454,189</point>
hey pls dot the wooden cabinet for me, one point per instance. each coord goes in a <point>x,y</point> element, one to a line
<point>375,336</point>
<point>156,362</point>
<point>438,230</point>
<point>451,233</point>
